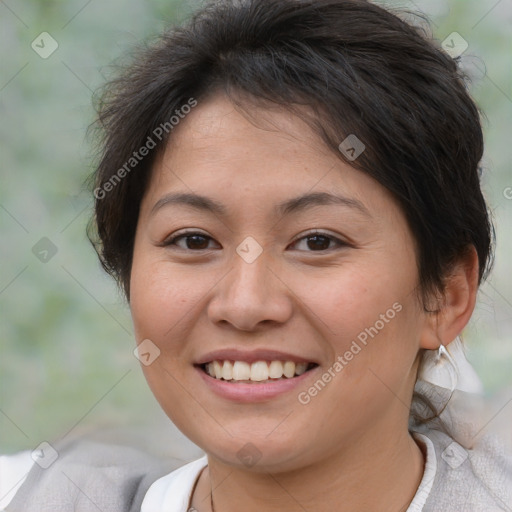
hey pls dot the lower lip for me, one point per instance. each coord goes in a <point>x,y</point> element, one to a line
<point>257,392</point>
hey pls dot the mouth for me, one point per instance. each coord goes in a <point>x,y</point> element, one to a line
<point>258,372</point>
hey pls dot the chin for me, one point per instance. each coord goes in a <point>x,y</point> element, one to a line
<point>256,453</point>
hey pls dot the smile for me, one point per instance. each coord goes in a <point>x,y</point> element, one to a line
<point>258,371</point>
<point>259,381</point>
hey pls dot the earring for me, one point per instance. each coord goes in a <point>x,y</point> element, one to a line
<point>439,368</point>
<point>435,385</point>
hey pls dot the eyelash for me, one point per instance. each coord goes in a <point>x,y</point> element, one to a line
<point>172,241</point>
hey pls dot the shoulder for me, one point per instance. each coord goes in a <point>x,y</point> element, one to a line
<point>475,479</point>
<point>84,475</point>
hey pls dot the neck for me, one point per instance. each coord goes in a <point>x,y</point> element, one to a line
<point>376,473</point>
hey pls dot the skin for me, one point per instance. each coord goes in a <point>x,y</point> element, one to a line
<point>350,444</point>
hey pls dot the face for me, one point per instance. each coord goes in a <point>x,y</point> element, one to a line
<point>264,280</point>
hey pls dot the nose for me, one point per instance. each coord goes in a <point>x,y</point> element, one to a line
<point>251,296</point>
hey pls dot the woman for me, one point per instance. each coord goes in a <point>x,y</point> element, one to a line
<point>288,193</point>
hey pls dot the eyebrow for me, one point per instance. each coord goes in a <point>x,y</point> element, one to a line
<point>296,204</point>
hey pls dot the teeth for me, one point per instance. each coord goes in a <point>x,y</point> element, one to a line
<point>241,370</point>
<point>258,371</point>
<point>275,370</point>
<point>300,368</point>
<point>227,370</point>
<point>217,369</point>
<point>289,369</point>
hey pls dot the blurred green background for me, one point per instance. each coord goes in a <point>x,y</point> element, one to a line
<point>66,342</point>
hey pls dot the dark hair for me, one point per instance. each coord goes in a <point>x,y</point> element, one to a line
<point>355,67</point>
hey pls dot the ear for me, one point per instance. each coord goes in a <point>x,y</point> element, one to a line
<point>457,304</point>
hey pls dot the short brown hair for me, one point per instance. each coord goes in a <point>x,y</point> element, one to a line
<point>364,71</point>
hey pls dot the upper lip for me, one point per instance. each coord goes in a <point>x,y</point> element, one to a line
<point>251,356</point>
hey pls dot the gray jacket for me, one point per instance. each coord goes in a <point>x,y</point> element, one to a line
<point>91,477</point>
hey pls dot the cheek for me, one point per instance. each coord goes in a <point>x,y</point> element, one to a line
<point>162,297</point>
<point>372,323</point>
<point>352,302</point>
<point>163,302</point>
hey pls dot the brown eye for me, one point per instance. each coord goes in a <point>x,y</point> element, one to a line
<point>193,241</point>
<point>317,242</point>
<point>196,241</point>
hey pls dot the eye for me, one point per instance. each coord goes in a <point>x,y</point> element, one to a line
<point>194,241</point>
<point>318,241</point>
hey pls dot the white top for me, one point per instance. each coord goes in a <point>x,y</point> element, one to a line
<point>13,472</point>
<point>173,492</point>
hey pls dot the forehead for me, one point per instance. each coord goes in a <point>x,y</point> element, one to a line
<point>217,127</point>
<point>256,157</point>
